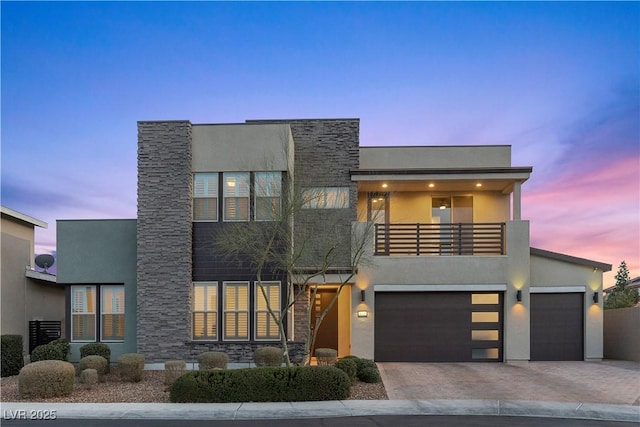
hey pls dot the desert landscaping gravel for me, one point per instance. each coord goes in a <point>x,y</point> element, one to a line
<point>150,390</point>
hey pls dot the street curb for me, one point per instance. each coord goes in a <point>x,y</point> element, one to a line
<point>328,409</point>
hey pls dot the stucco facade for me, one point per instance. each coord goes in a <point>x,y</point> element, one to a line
<point>448,232</point>
<point>26,295</point>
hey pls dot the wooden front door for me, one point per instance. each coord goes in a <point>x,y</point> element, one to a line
<point>328,331</point>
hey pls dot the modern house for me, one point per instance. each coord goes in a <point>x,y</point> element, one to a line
<point>450,274</point>
<point>27,295</point>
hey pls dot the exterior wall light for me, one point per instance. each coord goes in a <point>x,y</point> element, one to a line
<point>362,296</point>
<point>363,313</point>
<point>519,295</point>
<point>596,297</point>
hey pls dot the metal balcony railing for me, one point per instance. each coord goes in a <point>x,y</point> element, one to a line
<point>440,239</point>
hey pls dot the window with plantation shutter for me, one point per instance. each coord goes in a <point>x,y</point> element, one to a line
<point>205,311</point>
<point>83,313</point>
<point>112,313</point>
<point>266,326</point>
<point>236,196</point>
<point>236,311</point>
<point>205,196</point>
<point>268,193</point>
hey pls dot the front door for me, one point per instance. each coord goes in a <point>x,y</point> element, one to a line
<point>328,331</point>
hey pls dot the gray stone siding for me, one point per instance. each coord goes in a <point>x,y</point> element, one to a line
<point>239,352</point>
<point>301,317</point>
<point>164,239</point>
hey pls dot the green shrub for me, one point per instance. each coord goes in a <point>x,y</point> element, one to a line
<point>268,356</point>
<point>370,375</point>
<point>11,352</point>
<point>98,363</point>
<point>363,369</point>
<point>46,352</point>
<point>213,360</point>
<point>64,347</point>
<point>47,378</point>
<point>326,356</point>
<point>266,384</point>
<point>349,367</point>
<point>89,377</point>
<point>131,367</point>
<point>96,349</point>
<point>173,369</point>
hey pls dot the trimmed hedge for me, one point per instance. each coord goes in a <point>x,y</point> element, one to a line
<point>96,349</point>
<point>366,370</point>
<point>131,367</point>
<point>89,377</point>
<point>268,356</point>
<point>47,378</point>
<point>64,347</point>
<point>46,352</point>
<point>326,356</point>
<point>98,363</point>
<point>11,352</point>
<point>349,367</point>
<point>213,360</point>
<point>267,384</point>
<point>173,369</point>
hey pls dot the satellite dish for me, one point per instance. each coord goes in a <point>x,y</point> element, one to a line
<point>45,261</point>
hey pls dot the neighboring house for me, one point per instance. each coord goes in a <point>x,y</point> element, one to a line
<point>633,284</point>
<point>26,294</point>
<point>451,274</point>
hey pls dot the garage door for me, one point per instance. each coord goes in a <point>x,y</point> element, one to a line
<point>438,326</point>
<point>557,326</point>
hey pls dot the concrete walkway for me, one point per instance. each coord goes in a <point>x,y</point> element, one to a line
<point>610,382</point>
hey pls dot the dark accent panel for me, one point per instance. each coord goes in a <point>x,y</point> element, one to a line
<point>43,332</point>
<point>211,264</point>
<point>557,326</point>
<point>429,327</point>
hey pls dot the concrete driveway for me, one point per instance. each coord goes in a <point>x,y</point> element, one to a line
<point>612,382</point>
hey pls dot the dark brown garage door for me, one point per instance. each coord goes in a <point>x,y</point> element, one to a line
<point>438,326</point>
<point>557,326</point>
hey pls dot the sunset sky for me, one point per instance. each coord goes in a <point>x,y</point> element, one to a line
<point>559,82</point>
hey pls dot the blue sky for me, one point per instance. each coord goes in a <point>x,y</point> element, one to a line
<point>557,81</point>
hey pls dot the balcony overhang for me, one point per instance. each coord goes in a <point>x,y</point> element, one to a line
<point>40,277</point>
<point>492,179</point>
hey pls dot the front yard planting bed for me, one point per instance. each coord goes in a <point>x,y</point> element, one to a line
<point>150,390</point>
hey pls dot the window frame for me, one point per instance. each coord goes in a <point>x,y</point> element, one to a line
<point>257,295</point>
<point>225,197</point>
<point>102,312</point>
<point>256,190</point>
<point>84,313</point>
<point>319,198</point>
<point>206,311</point>
<point>207,196</point>
<point>226,285</point>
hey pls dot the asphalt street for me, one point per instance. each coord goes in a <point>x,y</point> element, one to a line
<point>368,421</point>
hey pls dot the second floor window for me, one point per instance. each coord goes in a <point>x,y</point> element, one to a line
<point>236,196</point>
<point>326,198</point>
<point>205,196</point>
<point>268,193</point>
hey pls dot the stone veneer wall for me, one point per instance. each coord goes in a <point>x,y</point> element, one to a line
<point>164,239</point>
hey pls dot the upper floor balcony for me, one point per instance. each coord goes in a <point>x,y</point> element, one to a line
<point>424,239</point>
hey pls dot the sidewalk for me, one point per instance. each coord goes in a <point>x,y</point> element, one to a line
<point>286,410</point>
